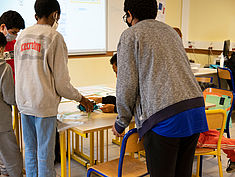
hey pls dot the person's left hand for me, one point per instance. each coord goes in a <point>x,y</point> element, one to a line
<point>108,108</point>
<point>116,133</point>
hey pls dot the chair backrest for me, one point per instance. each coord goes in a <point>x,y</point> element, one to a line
<point>204,79</point>
<point>216,119</point>
<point>225,73</point>
<point>130,144</point>
<point>221,94</point>
<point>134,144</point>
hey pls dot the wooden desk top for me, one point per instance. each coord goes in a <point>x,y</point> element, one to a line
<point>98,120</point>
<point>205,71</point>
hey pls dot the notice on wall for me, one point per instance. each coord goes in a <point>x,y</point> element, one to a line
<point>161,10</point>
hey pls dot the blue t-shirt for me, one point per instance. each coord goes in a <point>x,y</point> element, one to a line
<point>183,124</point>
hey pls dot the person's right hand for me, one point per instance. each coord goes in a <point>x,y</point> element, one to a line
<point>87,104</point>
<point>96,99</point>
<point>108,108</point>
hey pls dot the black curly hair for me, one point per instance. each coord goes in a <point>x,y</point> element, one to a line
<point>3,40</point>
<point>12,19</point>
<point>43,8</point>
<point>141,9</point>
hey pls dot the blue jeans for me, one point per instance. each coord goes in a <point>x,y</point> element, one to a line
<point>39,139</point>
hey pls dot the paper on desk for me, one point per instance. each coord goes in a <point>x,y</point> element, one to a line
<point>69,120</point>
<point>93,91</point>
<point>96,91</point>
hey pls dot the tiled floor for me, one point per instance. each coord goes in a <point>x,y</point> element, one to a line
<point>210,167</point>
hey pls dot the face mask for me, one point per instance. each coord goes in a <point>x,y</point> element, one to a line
<point>129,24</point>
<point>55,25</point>
<point>10,37</point>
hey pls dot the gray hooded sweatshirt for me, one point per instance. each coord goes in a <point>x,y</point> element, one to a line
<point>41,71</point>
<point>7,96</point>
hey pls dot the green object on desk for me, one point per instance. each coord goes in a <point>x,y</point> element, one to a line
<point>89,114</point>
<point>221,102</point>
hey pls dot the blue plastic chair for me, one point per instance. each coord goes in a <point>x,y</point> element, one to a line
<point>131,167</point>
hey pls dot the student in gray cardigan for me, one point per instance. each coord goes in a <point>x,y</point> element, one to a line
<point>155,83</point>
<point>9,151</point>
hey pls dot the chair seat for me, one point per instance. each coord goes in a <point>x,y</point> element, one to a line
<point>203,150</point>
<point>131,167</point>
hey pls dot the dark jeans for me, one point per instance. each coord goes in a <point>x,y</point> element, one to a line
<point>169,157</point>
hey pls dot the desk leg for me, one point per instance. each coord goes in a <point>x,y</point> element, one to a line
<point>69,159</point>
<point>21,134</point>
<point>16,124</point>
<point>102,146</point>
<point>77,143</point>
<point>63,154</point>
<point>91,148</point>
<point>107,148</point>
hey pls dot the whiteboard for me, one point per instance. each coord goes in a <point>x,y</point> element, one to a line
<point>88,26</point>
<point>82,22</point>
<point>116,25</point>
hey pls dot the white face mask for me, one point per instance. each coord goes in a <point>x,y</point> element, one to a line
<point>10,37</point>
<point>55,25</point>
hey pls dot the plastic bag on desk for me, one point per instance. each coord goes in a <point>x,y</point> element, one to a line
<point>70,120</point>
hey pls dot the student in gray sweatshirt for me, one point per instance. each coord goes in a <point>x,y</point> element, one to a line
<point>9,151</point>
<point>155,83</point>
<point>42,78</point>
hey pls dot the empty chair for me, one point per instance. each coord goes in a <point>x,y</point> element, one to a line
<point>125,166</point>
<point>216,119</point>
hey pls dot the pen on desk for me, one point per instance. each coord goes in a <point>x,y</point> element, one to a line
<point>89,114</point>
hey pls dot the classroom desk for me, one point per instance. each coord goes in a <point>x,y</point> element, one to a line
<point>206,72</point>
<point>98,124</point>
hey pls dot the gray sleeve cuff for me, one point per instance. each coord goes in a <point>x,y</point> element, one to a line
<point>118,128</point>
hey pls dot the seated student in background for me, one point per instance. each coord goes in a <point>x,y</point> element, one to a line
<point>42,78</point>
<point>109,101</point>
<point>9,150</point>
<point>11,22</point>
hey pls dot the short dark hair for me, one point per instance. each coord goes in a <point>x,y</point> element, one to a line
<point>3,40</point>
<point>141,9</point>
<point>12,19</point>
<point>113,60</point>
<point>43,8</point>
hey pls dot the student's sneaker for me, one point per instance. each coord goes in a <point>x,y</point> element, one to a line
<point>231,167</point>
